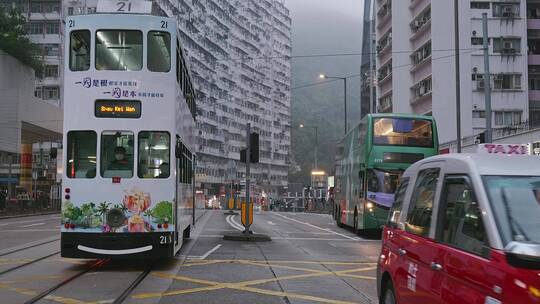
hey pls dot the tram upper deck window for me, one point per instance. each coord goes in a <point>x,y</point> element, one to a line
<point>79,50</point>
<point>119,50</point>
<point>116,154</point>
<point>159,51</point>
<point>154,154</point>
<point>81,154</point>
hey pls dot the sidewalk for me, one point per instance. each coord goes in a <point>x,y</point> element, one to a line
<point>14,214</point>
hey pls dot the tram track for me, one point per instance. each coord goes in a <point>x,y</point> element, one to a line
<point>98,264</point>
<point>28,247</point>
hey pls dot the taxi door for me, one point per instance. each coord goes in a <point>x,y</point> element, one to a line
<point>417,281</point>
<point>469,276</point>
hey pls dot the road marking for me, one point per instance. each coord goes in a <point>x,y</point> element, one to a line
<point>32,225</point>
<point>24,222</point>
<point>245,285</point>
<point>204,256</point>
<point>271,223</point>
<point>317,227</point>
<point>29,230</point>
<point>236,223</point>
<point>229,221</point>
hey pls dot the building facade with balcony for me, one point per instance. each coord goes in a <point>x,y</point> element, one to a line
<point>533,52</point>
<point>416,62</point>
<point>240,61</point>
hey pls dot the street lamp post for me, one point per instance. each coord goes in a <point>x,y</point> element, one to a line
<point>323,76</point>
<point>316,152</point>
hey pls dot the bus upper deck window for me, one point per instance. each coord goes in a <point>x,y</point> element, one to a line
<point>81,154</point>
<point>119,50</point>
<point>116,154</point>
<point>154,154</point>
<point>159,51</point>
<point>79,50</point>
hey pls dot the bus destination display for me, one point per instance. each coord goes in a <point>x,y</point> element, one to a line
<point>118,108</point>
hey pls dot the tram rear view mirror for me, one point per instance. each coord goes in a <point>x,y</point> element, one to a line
<point>402,125</point>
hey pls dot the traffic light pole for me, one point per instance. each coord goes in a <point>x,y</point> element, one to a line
<point>248,165</point>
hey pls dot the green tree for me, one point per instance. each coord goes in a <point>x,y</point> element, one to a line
<point>14,42</point>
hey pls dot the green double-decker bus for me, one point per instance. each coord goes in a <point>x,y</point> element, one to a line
<point>369,162</point>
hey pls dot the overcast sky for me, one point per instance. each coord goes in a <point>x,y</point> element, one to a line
<point>352,8</point>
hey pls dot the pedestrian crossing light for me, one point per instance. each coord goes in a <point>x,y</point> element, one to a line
<point>254,146</point>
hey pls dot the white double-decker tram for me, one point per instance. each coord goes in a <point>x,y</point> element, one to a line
<point>129,123</point>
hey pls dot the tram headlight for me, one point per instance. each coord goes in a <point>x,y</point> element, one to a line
<point>115,217</point>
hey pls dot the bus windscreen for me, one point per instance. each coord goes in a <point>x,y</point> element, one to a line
<point>403,132</point>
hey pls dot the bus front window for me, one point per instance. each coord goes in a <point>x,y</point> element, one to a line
<point>403,132</point>
<point>119,50</point>
<point>154,151</point>
<point>381,186</point>
<point>117,154</point>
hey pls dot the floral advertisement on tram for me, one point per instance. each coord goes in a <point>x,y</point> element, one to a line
<point>136,211</point>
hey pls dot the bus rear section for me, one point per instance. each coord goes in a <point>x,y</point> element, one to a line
<point>371,161</point>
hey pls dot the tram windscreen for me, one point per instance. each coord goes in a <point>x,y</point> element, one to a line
<point>403,132</point>
<point>159,51</point>
<point>119,50</point>
<point>117,154</point>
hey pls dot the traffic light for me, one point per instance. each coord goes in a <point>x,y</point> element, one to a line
<point>254,146</point>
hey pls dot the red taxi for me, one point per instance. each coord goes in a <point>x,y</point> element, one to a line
<point>464,228</point>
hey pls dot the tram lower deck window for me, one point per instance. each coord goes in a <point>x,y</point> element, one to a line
<point>120,50</point>
<point>154,154</point>
<point>117,154</point>
<point>81,154</point>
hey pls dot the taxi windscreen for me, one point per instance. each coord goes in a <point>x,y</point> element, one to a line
<point>516,203</point>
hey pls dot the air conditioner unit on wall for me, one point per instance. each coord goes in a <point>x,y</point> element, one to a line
<point>480,84</point>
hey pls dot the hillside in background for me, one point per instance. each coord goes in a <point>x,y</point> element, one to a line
<point>322,105</point>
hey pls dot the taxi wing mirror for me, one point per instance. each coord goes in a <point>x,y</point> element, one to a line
<point>523,254</point>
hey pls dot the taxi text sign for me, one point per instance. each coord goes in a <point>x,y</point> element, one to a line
<point>508,149</point>
<point>124,7</point>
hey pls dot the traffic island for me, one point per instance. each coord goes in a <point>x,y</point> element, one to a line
<point>230,212</point>
<point>243,237</point>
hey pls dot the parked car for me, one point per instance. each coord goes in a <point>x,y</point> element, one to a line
<point>464,228</point>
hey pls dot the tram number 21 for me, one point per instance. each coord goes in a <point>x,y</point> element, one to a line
<point>123,6</point>
<point>165,239</point>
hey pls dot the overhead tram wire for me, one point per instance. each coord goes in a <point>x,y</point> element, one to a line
<point>358,75</point>
<point>322,55</point>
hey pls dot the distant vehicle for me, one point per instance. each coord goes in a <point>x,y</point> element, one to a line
<point>370,161</point>
<point>464,228</point>
<point>129,121</point>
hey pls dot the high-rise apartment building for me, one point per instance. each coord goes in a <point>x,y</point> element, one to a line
<point>44,27</point>
<point>533,52</point>
<point>367,67</point>
<point>240,61</point>
<point>416,62</point>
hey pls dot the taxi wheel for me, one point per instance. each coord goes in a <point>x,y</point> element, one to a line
<point>388,295</point>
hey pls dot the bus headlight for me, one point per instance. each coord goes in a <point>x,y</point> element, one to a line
<point>369,205</point>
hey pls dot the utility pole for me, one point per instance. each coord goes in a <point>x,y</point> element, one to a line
<point>248,165</point>
<point>345,100</point>
<point>487,79</point>
<point>458,86</point>
<point>316,147</point>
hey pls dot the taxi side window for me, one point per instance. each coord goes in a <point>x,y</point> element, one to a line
<point>421,207</point>
<point>460,221</point>
<point>395,211</point>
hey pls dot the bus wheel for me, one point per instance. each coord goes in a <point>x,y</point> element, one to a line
<point>355,224</point>
<point>338,218</point>
<point>187,232</point>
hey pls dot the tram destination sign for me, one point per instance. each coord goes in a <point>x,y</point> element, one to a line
<point>118,108</point>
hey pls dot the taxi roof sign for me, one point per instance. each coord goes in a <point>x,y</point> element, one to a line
<point>508,149</point>
<point>124,6</point>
